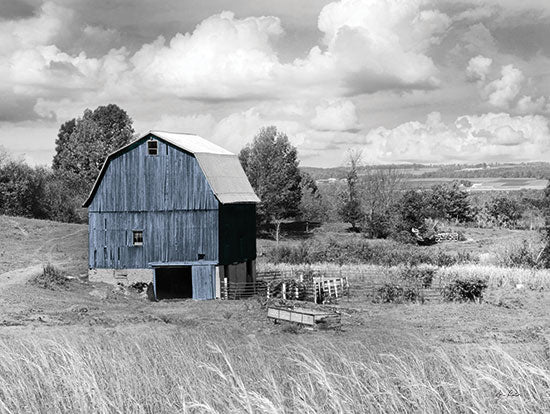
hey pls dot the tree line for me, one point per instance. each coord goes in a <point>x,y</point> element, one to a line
<point>373,200</point>
<point>57,192</point>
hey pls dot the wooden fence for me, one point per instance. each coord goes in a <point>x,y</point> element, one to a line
<point>330,286</point>
<point>323,287</point>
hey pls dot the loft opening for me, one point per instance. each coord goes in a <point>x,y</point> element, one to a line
<point>152,147</point>
<point>174,282</point>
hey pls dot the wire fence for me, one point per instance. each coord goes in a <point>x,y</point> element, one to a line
<point>330,286</point>
<point>327,287</point>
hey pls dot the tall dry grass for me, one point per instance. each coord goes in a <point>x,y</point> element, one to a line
<point>496,276</point>
<point>156,371</point>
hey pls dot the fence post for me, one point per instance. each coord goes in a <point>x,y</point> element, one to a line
<point>336,290</point>
<point>301,277</point>
<point>226,293</point>
<point>314,290</point>
<point>268,293</point>
<point>283,288</point>
<point>296,293</point>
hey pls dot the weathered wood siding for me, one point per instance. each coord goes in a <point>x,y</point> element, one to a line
<point>204,284</point>
<point>237,233</point>
<point>136,181</point>
<point>166,196</point>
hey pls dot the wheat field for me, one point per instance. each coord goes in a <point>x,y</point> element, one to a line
<point>159,371</point>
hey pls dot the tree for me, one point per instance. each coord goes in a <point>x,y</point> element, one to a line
<point>504,211</point>
<point>450,202</point>
<point>271,165</point>
<point>544,255</point>
<point>312,206</point>
<point>381,190</point>
<point>83,144</point>
<point>350,210</point>
<point>22,190</point>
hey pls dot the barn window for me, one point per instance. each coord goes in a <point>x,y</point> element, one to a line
<point>152,147</point>
<point>137,238</point>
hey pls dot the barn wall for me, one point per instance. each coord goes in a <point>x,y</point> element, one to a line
<point>136,181</point>
<point>172,236</point>
<point>166,196</point>
<point>237,240</point>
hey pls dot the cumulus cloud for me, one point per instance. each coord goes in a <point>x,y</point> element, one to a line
<point>478,68</point>
<point>375,44</point>
<point>501,92</point>
<point>224,57</point>
<point>491,136</point>
<point>336,115</point>
<point>530,105</point>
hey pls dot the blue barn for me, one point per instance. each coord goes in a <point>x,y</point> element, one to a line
<point>175,210</point>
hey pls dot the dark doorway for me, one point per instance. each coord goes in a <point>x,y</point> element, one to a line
<point>173,282</point>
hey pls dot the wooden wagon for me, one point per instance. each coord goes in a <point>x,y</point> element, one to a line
<point>315,318</point>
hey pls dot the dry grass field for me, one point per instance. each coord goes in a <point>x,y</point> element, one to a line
<point>85,347</point>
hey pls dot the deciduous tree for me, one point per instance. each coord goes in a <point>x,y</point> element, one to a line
<point>271,165</point>
<point>83,144</point>
<point>351,210</point>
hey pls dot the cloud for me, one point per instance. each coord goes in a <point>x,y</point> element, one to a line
<point>224,58</point>
<point>501,92</point>
<point>373,45</point>
<point>478,68</point>
<point>486,137</point>
<point>336,115</point>
<point>528,105</point>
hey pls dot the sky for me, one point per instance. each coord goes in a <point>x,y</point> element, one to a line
<point>428,81</point>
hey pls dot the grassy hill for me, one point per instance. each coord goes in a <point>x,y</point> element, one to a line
<point>25,242</point>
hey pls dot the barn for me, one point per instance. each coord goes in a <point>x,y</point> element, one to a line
<point>174,210</point>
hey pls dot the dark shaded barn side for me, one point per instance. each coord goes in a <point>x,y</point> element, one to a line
<point>184,228</point>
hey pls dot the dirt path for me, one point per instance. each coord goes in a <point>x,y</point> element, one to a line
<point>43,255</point>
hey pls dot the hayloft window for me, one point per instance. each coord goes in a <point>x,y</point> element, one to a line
<point>152,147</point>
<point>137,239</point>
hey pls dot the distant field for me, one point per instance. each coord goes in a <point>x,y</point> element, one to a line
<point>484,184</point>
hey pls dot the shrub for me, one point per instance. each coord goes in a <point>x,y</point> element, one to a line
<point>465,290</point>
<point>359,250</point>
<point>520,255</point>
<point>388,293</point>
<point>50,278</point>
<point>394,293</point>
<point>419,276</point>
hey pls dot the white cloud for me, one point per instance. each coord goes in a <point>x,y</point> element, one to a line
<point>224,57</point>
<point>336,115</point>
<point>528,105</point>
<point>478,68</point>
<point>501,92</point>
<point>491,136</point>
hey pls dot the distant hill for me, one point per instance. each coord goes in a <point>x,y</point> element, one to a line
<point>538,170</point>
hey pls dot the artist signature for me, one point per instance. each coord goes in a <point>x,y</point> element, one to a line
<point>511,393</point>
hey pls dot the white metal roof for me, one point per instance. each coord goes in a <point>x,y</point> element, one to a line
<point>191,143</point>
<point>221,167</point>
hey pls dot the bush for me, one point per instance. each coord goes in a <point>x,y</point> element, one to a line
<point>394,293</point>
<point>464,290</point>
<point>389,293</point>
<point>520,255</point>
<point>419,276</point>
<point>363,251</point>
<point>50,278</point>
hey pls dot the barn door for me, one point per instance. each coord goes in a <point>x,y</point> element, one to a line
<point>203,282</point>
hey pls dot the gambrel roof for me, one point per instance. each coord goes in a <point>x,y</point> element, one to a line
<point>222,168</point>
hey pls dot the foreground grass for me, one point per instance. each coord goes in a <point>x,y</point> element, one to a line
<point>165,371</point>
